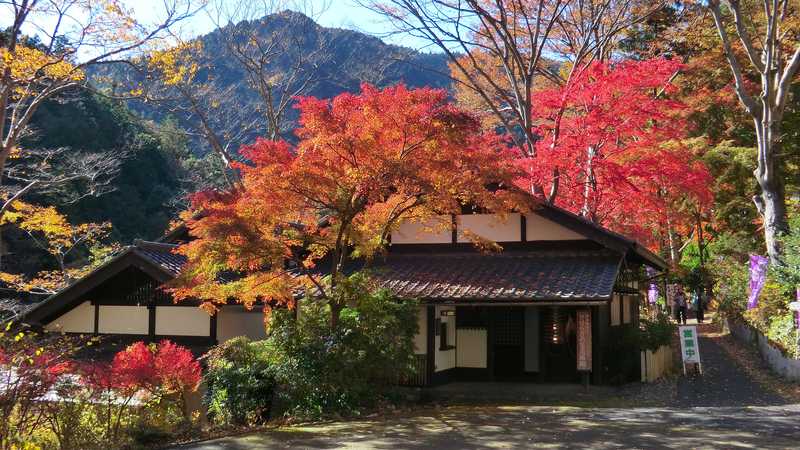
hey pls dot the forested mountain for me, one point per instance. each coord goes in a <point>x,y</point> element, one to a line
<point>162,158</point>
<point>295,54</point>
<point>341,59</point>
<point>156,154</point>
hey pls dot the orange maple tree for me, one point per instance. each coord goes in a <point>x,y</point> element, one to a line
<point>363,163</point>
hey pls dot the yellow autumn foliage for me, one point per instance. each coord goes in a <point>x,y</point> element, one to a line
<point>29,65</point>
<point>54,234</point>
<point>176,65</point>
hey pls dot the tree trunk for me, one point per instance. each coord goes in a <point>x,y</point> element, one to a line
<point>771,205</point>
<point>771,201</point>
<point>590,186</point>
<point>336,310</point>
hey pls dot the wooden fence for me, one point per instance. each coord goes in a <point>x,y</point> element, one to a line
<point>419,377</point>
<point>656,364</point>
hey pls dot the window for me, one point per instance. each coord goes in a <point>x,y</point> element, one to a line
<point>445,340</point>
<point>615,310</point>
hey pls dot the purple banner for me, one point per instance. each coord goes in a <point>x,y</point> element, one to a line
<point>797,313</point>
<point>652,291</point>
<point>758,275</point>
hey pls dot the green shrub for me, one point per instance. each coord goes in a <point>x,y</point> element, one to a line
<point>656,332</point>
<point>239,383</point>
<point>321,371</point>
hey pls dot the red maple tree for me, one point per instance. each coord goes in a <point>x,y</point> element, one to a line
<point>363,163</point>
<point>614,137</point>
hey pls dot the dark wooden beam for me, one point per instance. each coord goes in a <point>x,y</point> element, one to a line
<point>151,321</point>
<point>213,331</point>
<point>454,229</point>
<point>96,318</point>
<point>523,228</point>
<point>430,365</point>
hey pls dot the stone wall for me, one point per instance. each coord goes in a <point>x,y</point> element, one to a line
<point>782,365</point>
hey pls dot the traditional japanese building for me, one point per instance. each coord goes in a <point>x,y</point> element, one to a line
<point>543,309</point>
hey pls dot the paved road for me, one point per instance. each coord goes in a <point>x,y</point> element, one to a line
<point>544,427</point>
<point>723,409</point>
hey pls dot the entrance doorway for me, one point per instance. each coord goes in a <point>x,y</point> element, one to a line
<point>559,339</point>
<point>508,334</point>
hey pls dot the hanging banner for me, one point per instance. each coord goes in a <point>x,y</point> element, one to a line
<point>652,291</point>
<point>758,276</point>
<point>584,317</point>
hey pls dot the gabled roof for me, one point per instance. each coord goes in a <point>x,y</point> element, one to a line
<point>501,277</point>
<point>609,239</point>
<point>154,259</point>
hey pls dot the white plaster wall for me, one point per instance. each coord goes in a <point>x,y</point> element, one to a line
<point>123,319</point>
<point>436,230</point>
<point>79,319</point>
<point>421,338</point>
<point>182,321</point>
<point>471,348</point>
<point>445,359</point>
<point>539,228</point>
<point>234,321</point>
<point>494,227</point>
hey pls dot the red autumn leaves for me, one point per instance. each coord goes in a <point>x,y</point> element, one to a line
<point>614,137</point>
<point>140,366</point>
<point>363,162</point>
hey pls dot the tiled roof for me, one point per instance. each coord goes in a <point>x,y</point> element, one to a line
<point>523,276</point>
<point>507,276</point>
<point>161,255</point>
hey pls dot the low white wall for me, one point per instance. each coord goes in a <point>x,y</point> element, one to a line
<point>779,363</point>
<point>123,319</point>
<point>471,348</point>
<point>235,321</point>
<point>79,319</point>
<point>182,321</point>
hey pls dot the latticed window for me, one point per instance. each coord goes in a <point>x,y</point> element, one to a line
<point>508,327</point>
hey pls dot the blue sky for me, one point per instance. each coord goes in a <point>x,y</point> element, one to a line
<point>329,13</point>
